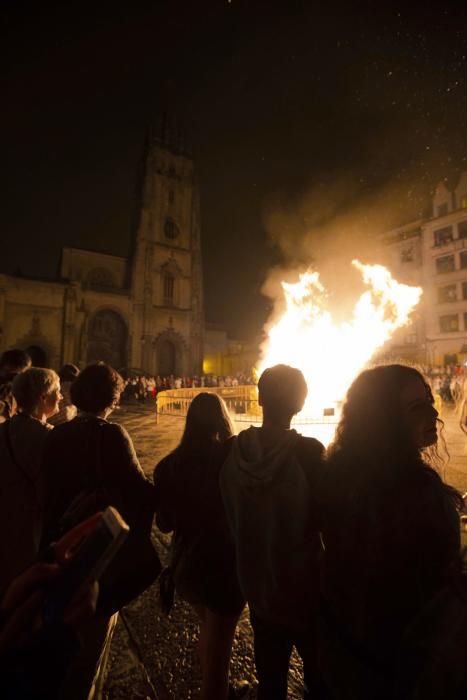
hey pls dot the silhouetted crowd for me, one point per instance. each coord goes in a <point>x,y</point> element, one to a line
<point>449,382</point>
<point>144,387</point>
<point>352,556</point>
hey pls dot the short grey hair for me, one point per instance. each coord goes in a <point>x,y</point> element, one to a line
<point>30,385</point>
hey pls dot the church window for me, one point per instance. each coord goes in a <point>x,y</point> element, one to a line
<point>169,287</point>
<point>170,229</point>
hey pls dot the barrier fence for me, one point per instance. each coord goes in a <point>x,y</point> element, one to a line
<point>244,409</point>
<point>241,401</point>
<point>242,404</point>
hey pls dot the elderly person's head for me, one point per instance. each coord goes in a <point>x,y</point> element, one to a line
<point>97,389</point>
<point>37,392</point>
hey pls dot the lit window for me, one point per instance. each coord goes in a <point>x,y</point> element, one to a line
<point>445,264</point>
<point>446,294</point>
<point>449,323</point>
<point>464,202</point>
<point>462,229</point>
<point>443,235</point>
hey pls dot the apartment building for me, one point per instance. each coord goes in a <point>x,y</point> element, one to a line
<point>432,253</point>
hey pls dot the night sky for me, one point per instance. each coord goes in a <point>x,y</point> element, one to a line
<point>299,115</point>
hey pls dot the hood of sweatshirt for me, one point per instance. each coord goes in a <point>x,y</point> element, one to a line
<point>256,464</point>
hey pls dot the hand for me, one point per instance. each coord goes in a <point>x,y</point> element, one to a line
<point>21,605</point>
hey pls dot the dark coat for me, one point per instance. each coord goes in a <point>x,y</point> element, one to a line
<point>20,488</point>
<point>90,451</point>
<point>188,502</point>
<point>390,547</point>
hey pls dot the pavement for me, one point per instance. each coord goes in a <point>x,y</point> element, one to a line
<point>152,656</point>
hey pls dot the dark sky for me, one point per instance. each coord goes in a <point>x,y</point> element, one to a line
<point>278,97</point>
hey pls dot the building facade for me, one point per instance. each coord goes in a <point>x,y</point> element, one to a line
<point>432,253</point>
<point>227,356</point>
<point>143,312</point>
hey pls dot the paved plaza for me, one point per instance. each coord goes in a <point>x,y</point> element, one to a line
<point>153,656</point>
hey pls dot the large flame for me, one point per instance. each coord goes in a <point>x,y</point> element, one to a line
<point>329,354</point>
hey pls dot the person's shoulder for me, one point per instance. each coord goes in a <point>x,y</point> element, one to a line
<point>166,461</point>
<point>226,446</point>
<point>64,431</point>
<point>164,467</point>
<point>425,485</point>
<point>31,426</point>
<point>113,428</point>
<point>115,438</point>
<point>311,448</point>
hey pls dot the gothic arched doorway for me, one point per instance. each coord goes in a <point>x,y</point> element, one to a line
<point>166,358</point>
<point>38,356</point>
<point>107,339</point>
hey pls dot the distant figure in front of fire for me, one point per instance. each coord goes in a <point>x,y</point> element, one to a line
<point>392,547</point>
<point>269,486</point>
<point>463,415</point>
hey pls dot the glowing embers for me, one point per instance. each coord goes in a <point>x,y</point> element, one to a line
<point>330,354</point>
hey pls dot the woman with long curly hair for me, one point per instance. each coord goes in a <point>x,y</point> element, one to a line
<point>189,504</point>
<point>391,528</point>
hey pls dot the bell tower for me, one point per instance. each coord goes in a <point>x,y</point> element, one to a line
<point>166,271</point>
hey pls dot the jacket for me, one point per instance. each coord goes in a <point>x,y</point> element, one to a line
<point>268,495</point>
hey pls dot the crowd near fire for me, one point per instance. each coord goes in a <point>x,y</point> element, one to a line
<point>305,485</point>
<point>330,354</point>
<point>233,351</point>
<point>86,548</point>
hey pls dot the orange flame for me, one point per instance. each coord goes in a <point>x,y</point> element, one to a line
<point>330,355</point>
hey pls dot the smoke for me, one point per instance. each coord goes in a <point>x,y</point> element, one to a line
<point>328,226</point>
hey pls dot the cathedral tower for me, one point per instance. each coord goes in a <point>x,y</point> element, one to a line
<point>166,273</point>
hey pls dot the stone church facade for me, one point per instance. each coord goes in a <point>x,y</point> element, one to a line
<point>143,312</point>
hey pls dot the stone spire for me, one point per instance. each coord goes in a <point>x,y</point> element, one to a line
<point>169,132</point>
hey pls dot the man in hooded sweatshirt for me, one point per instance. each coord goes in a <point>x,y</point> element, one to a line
<point>269,485</point>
